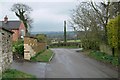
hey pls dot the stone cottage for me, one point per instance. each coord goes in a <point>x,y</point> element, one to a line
<point>5,49</point>
<point>15,26</point>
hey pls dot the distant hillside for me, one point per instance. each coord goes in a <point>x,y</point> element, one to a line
<point>59,35</point>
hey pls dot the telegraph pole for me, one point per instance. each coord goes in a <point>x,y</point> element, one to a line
<point>65,39</point>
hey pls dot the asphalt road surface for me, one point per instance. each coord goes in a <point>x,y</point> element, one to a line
<point>67,63</point>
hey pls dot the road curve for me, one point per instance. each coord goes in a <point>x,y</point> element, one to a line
<point>67,63</point>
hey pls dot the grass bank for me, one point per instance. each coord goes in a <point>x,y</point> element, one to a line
<point>11,74</point>
<point>104,57</point>
<point>43,56</point>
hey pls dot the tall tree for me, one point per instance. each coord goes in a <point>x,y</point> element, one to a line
<point>105,11</point>
<point>22,11</point>
<point>84,20</point>
<point>113,33</point>
<point>93,17</point>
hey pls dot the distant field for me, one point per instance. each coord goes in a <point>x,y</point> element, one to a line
<point>74,41</point>
<point>69,41</point>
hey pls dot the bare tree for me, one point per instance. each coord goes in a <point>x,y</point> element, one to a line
<point>22,11</point>
<point>93,17</point>
<point>84,17</point>
<point>105,11</point>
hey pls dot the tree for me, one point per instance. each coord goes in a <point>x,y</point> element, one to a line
<point>92,19</point>
<point>84,17</point>
<point>113,33</point>
<point>105,11</point>
<point>41,37</point>
<point>22,11</point>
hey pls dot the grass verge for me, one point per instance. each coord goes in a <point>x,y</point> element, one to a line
<point>104,57</point>
<point>43,56</point>
<point>11,74</point>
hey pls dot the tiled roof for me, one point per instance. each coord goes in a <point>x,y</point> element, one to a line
<point>10,24</point>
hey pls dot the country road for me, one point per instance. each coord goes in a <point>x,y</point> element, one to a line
<point>67,63</point>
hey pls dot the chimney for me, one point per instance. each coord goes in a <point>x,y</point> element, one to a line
<point>5,19</point>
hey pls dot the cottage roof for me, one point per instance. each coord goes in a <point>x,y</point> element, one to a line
<point>6,30</point>
<point>10,24</point>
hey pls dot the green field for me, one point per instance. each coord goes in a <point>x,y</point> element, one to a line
<point>68,41</point>
<point>74,41</point>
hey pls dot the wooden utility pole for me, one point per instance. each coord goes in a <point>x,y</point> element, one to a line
<point>65,39</point>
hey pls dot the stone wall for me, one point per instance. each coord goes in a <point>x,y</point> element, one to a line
<point>32,47</point>
<point>6,57</point>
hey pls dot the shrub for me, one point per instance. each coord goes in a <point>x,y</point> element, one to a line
<point>69,44</point>
<point>90,44</point>
<point>115,61</point>
<point>18,47</point>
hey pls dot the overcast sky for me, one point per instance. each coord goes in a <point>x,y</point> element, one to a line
<point>48,15</point>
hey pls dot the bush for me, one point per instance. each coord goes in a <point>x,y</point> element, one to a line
<point>18,47</point>
<point>115,61</point>
<point>90,44</point>
<point>67,44</point>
